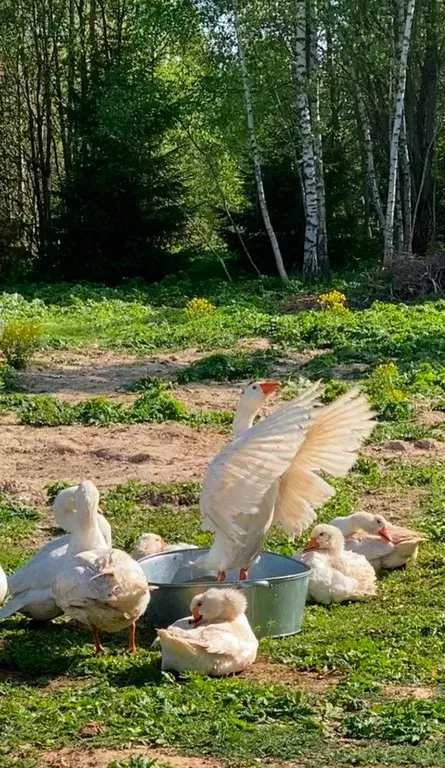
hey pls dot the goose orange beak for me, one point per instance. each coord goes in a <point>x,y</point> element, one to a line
<point>312,544</point>
<point>196,615</point>
<point>269,386</point>
<point>385,534</point>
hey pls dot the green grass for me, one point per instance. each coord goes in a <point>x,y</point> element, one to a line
<point>142,318</point>
<point>229,367</point>
<point>398,639</point>
<point>369,651</point>
<point>154,405</point>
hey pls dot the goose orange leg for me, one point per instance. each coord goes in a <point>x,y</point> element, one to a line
<point>222,575</point>
<point>132,644</point>
<point>97,644</point>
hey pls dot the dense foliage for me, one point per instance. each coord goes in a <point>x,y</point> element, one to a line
<point>126,143</point>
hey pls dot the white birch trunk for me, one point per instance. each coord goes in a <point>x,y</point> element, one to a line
<point>254,148</point>
<point>405,165</point>
<point>395,138</point>
<point>310,261</point>
<point>398,219</point>
<point>371,176</point>
<point>322,239</point>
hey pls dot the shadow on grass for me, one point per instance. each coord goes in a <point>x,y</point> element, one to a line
<point>37,654</point>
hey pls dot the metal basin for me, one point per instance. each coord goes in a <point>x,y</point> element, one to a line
<point>276,590</point>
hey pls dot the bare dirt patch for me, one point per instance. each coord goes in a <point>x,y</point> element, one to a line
<point>100,758</point>
<point>270,672</point>
<point>422,451</point>
<point>106,455</point>
<point>420,693</point>
<point>96,372</point>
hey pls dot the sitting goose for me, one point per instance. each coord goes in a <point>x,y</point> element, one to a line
<point>3,584</point>
<point>215,640</point>
<point>336,575</point>
<point>151,544</point>
<point>383,544</point>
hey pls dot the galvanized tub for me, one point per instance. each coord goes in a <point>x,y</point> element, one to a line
<point>276,590</point>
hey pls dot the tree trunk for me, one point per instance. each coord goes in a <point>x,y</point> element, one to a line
<point>371,176</point>
<point>395,138</point>
<point>322,239</point>
<point>425,127</point>
<point>310,260</point>
<point>254,148</point>
<point>405,167</point>
<point>405,180</point>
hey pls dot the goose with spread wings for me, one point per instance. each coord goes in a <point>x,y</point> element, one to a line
<point>271,472</point>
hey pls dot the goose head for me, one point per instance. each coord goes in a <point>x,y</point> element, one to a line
<point>252,399</point>
<point>86,499</point>
<point>148,544</point>
<point>326,538</point>
<point>218,604</point>
<point>87,534</point>
<point>376,524</point>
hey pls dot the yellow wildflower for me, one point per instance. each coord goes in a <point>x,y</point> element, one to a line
<point>333,300</point>
<point>197,306</point>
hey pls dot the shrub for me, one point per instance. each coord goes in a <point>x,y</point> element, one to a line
<point>158,407</point>
<point>387,389</point>
<point>9,381</point>
<point>19,341</point>
<point>45,411</point>
<point>221,367</point>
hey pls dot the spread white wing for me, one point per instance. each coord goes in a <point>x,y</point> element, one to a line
<point>244,471</point>
<point>330,445</point>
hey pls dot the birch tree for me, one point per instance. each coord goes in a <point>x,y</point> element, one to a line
<point>253,144</point>
<point>311,265</point>
<point>396,131</point>
<point>314,74</point>
<point>371,176</point>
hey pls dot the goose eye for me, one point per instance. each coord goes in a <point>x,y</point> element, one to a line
<point>199,605</point>
<point>254,386</point>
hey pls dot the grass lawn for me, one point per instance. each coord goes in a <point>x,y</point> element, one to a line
<point>362,684</point>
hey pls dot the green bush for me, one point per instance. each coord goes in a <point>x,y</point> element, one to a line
<point>19,341</point>
<point>9,381</point>
<point>46,411</point>
<point>386,387</point>
<point>223,367</point>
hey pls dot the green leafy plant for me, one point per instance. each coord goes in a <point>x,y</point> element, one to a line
<point>138,761</point>
<point>18,342</point>
<point>387,389</point>
<point>227,367</point>
<point>9,380</point>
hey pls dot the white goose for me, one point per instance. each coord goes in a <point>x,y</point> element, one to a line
<point>65,512</point>
<point>102,588</point>
<point>216,640</point>
<point>383,544</point>
<point>30,586</point>
<point>336,575</point>
<point>151,544</point>
<point>270,472</point>
<point>3,584</point>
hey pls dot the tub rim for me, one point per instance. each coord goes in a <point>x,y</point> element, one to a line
<point>227,584</point>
